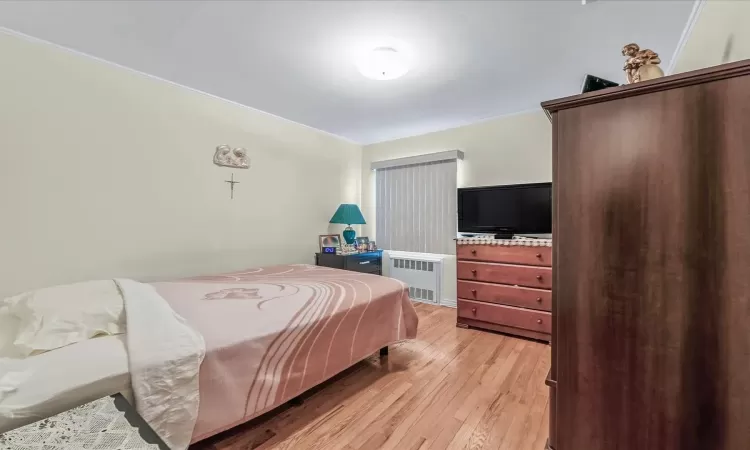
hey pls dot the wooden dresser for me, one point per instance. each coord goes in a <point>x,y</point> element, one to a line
<point>651,218</point>
<point>505,285</point>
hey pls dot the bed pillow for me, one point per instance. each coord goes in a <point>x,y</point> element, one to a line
<point>54,317</point>
<point>8,332</point>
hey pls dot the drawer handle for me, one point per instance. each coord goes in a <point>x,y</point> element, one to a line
<point>539,277</point>
<point>365,262</point>
<point>539,299</point>
<point>474,272</point>
<point>474,310</point>
<point>473,252</point>
<point>539,255</point>
<point>539,321</point>
<point>474,291</point>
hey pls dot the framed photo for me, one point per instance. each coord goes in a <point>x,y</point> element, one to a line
<point>329,240</point>
<point>363,240</point>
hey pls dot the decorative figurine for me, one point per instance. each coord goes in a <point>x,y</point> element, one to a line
<point>641,65</point>
<point>228,157</point>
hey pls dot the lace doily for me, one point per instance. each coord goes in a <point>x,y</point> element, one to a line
<point>98,424</point>
<point>522,242</point>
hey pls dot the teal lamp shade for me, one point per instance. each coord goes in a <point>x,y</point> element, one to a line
<point>348,214</point>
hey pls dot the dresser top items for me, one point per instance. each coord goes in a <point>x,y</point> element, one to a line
<point>516,242</point>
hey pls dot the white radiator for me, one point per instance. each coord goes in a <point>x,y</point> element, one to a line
<point>422,272</point>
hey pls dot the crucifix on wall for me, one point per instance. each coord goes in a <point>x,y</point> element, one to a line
<point>231,187</point>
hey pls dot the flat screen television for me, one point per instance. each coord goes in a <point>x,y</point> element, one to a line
<point>506,210</point>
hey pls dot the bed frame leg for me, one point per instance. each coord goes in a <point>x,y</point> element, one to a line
<point>384,352</point>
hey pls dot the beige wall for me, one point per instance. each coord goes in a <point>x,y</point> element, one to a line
<point>105,172</point>
<point>721,34</point>
<point>511,149</point>
<point>516,149</point>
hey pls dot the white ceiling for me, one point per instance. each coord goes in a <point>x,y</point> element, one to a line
<point>472,60</point>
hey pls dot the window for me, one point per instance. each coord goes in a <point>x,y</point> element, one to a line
<point>416,203</point>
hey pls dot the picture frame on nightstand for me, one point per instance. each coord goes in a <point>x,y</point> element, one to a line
<point>362,243</point>
<point>329,240</point>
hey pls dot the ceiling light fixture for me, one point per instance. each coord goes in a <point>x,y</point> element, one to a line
<point>383,63</point>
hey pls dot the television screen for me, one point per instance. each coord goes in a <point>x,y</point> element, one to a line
<point>518,208</point>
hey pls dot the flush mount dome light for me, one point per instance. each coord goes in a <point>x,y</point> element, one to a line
<point>383,63</point>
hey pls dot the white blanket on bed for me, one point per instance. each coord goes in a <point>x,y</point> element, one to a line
<point>163,359</point>
<point>165,355</point>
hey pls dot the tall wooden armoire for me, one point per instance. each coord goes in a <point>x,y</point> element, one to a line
<point>651,258</point>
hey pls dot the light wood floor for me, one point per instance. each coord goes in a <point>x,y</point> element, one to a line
<point>450,388</point>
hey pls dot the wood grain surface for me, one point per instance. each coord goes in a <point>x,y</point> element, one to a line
<point>530,256</point>
<point>531,298</point>
<point>527,319</point>
<point>530,276</point>
<point>652,269</point>
<point>679,80</point>
<point>513,331</point>
<point>451,388</point>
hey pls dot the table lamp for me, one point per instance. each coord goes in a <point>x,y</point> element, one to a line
<point>348,214</point>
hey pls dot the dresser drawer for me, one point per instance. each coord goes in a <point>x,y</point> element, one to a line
<point>531,256</point>
<point>365,262</point>
<point>538,277</point>
<point>523,297</point>
<point>526,319</point>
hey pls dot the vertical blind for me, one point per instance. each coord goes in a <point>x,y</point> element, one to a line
<point>416,207</point>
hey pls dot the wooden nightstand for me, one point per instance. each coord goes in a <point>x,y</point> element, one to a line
<point>369,262</point>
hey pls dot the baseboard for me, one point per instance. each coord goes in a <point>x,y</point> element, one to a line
<point>450,303</point>
<point>446,304</point>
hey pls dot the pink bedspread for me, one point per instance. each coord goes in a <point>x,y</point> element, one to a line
<point>275,332</point>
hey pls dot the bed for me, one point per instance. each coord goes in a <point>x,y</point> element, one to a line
<point>265,336</point>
